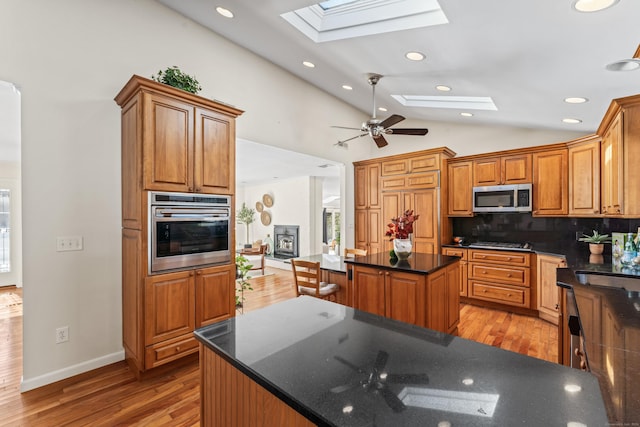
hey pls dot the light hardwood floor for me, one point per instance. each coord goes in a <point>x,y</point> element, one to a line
<point>110,396</point>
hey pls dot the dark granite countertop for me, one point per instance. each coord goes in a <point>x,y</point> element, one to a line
<point>610,321</point>
<point>319,357</point>
<point>417,263</point>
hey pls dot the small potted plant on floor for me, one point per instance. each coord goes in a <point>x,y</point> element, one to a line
<point>596,241</point>
<point>242,272</point>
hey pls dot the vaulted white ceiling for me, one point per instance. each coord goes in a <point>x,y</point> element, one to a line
<point>526,56</point>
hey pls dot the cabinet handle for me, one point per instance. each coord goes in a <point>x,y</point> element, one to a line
<point>508,258</point>
<point>379,273</point>
<point>557,307</point>
<point>484,290</point>
<point>508,295</point>
<point>509,275</point>
<point>484,271</point>
<point>177,349</point>
<point>481,256</point>
<point>198,272</point>
<point>387,274</point>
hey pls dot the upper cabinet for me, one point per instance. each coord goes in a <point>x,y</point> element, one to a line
<point>584,176</point>
<point>620,157</point>
<point>459,188</point>
<point>367,186</point>
<point>187,142</point>
<point>550,175</point>
<point>512,169</point>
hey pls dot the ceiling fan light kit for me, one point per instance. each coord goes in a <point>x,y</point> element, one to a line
<point>377,128</point>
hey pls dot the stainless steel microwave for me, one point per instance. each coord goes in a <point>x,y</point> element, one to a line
<point>502,198</point>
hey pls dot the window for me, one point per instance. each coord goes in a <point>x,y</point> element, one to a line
<point>5,266</point>
<point>331,230</point>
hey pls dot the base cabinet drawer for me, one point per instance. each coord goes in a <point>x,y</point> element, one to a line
<point>170,350</point>
<point>502,294</point>
<point>519,276</point>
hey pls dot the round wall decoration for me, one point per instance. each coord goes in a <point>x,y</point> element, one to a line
<point>259,206</point>
<point>267,200</point>
<point>265,217</point>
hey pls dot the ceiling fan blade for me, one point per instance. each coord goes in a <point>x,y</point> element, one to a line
<point>349,364</point>
<point>353,137</point>
<point>344,127</point>
<point>380,141</point>
<point>381,361</point>
<point>407,378</point>
<point>344,387</point>
<point>391,120</point>
<point>392,400</point>
<point>408,131</point>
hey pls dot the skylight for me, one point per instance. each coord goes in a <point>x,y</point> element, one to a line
<point>457,102</point>
<point>343,19</point>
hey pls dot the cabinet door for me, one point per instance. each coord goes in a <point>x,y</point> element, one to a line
<point>214,157</point>
<point>425,230</point>
<point>516,169</point>
<point>403,295</point>
<point>486,172</point>
<point>452,297</point>
<point>462,253</point>
<point>373,178</point>
<point>550,183</point>
<point>548,291</point>
<point>133,271</point>
<point>374,231</point>
<point>392,206</point>
<point>215,290</point>
<point>612,178</point>
<point>167,144</point>
<point>460,188</point>
<point>169,306</point>
<point>361,187</point>
<point>584,179</point>
<point>368,290</point>
<point>436,300</point>
<point>361,227</point>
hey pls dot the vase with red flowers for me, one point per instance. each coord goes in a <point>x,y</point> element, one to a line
<point>399,231</point>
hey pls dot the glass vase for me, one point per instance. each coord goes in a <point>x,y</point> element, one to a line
<point>402,248</point>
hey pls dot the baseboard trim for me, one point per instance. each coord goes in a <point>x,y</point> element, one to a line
<point>70,371</point>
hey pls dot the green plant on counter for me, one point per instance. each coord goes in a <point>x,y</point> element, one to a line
<point>172,76</point>
<point>242,269</point>
<point>595,238</point>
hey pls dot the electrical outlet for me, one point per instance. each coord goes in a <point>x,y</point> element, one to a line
<point>69,243</point>
<point>62,334</point>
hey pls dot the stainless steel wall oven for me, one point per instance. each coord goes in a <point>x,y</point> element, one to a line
<point>188,230</point>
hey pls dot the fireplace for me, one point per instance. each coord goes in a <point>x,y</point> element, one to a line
<point>285,241</point>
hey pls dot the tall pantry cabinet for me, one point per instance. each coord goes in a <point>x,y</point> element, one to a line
<point>173,141</point>
<point>385,187</point>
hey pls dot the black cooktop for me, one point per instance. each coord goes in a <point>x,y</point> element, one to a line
<point>500,245</point>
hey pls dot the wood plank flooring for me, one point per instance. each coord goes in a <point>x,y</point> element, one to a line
<point>110,396</point>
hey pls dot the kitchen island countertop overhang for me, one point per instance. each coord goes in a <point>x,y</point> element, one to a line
<point>338,366</point>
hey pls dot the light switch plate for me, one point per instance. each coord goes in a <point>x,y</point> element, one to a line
<point>69,243</point>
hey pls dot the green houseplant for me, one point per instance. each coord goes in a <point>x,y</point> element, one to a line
<point>246,216</point>
<point>596,241</point>
<point>242,271</point>
<point>174,77</point>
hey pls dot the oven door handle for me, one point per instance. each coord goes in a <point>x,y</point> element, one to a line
<point>191,213</point>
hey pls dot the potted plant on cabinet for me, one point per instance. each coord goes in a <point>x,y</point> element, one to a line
<point>174,77</point>
<point>246,216</point>
<point>596,241</point>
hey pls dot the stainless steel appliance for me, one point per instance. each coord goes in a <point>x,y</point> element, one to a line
<point>502,198</point>
<point>188,230</point>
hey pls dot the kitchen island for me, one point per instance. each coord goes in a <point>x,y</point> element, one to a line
<point>422,290</point>
<point>306,362</point>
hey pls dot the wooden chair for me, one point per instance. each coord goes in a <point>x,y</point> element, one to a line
<point>308,282</point>
<point>252,255</point>
<point>354,252</point>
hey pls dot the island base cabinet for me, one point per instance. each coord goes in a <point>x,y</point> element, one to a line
<point>230,398</point>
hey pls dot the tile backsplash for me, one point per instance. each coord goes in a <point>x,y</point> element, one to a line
<point>516,227</point>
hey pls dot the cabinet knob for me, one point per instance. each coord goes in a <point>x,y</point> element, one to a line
<point>198,272</point>
<point>484,290</point>
<point>484,271</point>
<point>508,258</point>
<point>177,349</point>
<point>198,189</point>
<point>508,295</point>
<point>557,306</point>
<point>380,273</point>
<point>387,274</point>
<point>509,275</point>
<point>595,211</point>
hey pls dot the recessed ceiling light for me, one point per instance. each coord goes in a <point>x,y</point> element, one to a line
<point>572,121</point>
<point>308,64</point>
<point>592,5</point>
<point>466,114</point>
<point>624,65</point>
<point>575,100</point>
<point>382,109</point>
<point>414,56</point>
<point>224,12</point>
<point>443,88</point>
<point>347,87</point>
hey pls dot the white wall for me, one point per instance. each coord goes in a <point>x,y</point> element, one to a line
<point>70,58</point>
<point>296,201</point>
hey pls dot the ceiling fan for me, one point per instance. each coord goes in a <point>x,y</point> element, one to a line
<point>378,128</point>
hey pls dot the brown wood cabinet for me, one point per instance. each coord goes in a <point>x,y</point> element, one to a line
<point>548,291</point>
<point>460,188</point>
<point>512,169</point>
<point>462,253</point>
<point>550,187</point>
<point>387,186</point>
<point>584,176</point>
<point>172,140</point>
<point>501,277</point>
<point>430,301</point>
<point>620,156</point>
